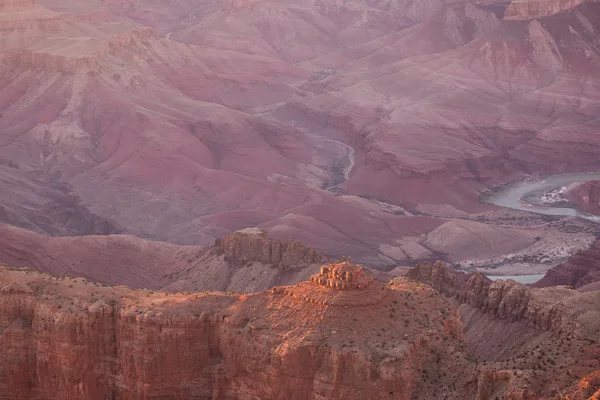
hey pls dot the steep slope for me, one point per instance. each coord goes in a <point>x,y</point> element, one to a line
<point>586,196</point>
<point>139,135</point>
<point>292,342</point>
<point>581,269</point>
<point>246,261</point>
<point>438,128</point>
<point>183,121</point>
<point>539,342</point>
<point>340,335</point>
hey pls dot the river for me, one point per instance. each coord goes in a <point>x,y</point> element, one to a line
<point>524,279</point>
<point>511,196</point>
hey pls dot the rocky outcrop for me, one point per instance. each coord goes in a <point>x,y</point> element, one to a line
<point>69,55</point>
<point>586,196</point>
<point>581,269</point>
<point>342,284</point>
<point>531,9</point>
<point>73,339</point>
<point>253,244</point>
<point>342,276</point>
<point>521,335</point>
<point>439,277</point>
<point>12,4</point>
<point>511,301</point>
<point>128,260</point>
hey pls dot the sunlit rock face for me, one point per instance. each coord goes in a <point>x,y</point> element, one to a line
<point>342,276</point>
<point>114,341</point>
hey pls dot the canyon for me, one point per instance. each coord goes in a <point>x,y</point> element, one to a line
<point>339,335</point>
<point>178,178</point>
<point>184,121</point>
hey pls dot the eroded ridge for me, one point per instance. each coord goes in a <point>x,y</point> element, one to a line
<point>343,276</point>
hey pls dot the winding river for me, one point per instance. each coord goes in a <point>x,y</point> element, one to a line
<point>511,196</point>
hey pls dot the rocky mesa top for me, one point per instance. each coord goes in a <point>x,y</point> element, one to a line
<point>342,275</point>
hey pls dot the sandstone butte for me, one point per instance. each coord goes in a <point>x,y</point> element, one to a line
<point>340,335</point>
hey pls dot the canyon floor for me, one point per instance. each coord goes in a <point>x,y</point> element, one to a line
<point>360,129</point>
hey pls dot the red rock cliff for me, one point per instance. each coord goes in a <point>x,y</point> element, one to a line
<point>508,300</point>
<point>254,244</point>
<point>72,339</point>
<point>586,196</point>
<point>581,269</point>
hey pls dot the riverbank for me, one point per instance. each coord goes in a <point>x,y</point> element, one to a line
<point>521,195</point>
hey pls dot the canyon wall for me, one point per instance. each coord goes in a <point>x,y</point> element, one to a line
<point>586,196</point>
<point>74,339</point>
<point>558,308</point>
<point>246,261</point>
<point>532,9</point>
<point>341,335</point>
<point>254,244</point>
<point>579,270</point>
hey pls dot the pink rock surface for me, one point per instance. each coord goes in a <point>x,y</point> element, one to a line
<point>586,196</point>
<point>240,261</point>
<point>185,122</point>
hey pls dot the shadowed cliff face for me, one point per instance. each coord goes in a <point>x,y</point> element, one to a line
<point>535,343</point>
<point>586,196</point>
<point>581,269</point>
<point>254,244</point>
<point>543,309</point>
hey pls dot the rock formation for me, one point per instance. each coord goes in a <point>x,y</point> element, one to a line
<point>511,301</point>
<point>581,269</point>
<point>241,261</point>
<point>532,9</point>
<point>253,244</point>
<point>522,335</point>
<point>342,276</point>
<point>340,284</point>
<point>73,339</point>
<point>439,277</point>
<point>586,196</point>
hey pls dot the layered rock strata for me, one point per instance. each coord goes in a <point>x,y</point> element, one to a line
<point>586,196</point>
<point>342,276</point>
<point>557,308</point>
<point>341,284</point>
<point>240,262</point>
<point>579,270</point>
<point>530,343</point>
<point>253,244</point>
<point>532,9</point>
<point>74,339</point>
